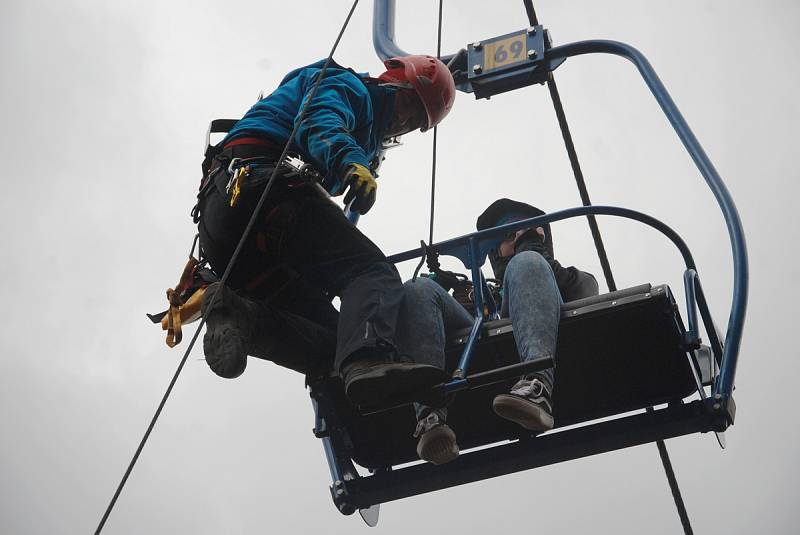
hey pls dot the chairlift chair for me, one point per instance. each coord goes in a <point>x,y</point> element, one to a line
<point>618,353</point>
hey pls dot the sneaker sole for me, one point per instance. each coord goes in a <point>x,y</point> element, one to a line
<point>522,412</point>
<point>386,382</point>
<point>438,446</point>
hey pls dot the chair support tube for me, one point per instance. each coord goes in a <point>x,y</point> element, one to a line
<point>712,178</point>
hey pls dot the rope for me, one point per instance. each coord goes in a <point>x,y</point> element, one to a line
<point>673,485</point>
<point>228,270</point>
<point>435,129</point>
<point>576,170</point>
<point>532,18</point>
<point>601,253</point>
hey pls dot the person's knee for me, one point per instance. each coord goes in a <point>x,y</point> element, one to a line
<point>528,263</point>
<point>383,273</point>
<point>421,290</point>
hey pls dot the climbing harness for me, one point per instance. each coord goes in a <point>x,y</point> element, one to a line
<point>185,300</point>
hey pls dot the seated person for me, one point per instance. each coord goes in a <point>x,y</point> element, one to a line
<point>534,286</point>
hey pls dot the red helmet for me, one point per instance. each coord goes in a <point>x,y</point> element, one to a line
<point>430,79</point>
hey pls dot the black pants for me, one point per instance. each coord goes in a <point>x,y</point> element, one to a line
<point>301,252</point>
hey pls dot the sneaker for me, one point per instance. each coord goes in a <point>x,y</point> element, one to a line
<point>372,380</point>
<point>529,405</point>
<point>437,442</point>
<point>228,330</point>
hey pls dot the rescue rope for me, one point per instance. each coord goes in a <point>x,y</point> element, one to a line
<point>601,253</point>
<point>228,270</point>
<point>435,130</point>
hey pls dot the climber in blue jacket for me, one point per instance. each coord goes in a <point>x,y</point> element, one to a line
<point>302,251</point>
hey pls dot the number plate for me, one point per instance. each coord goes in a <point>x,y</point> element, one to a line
<point>504,52</point>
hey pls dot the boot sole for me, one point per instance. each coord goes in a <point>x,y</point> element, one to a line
<point>438,446</point>
<point>522,412</point>
<point>224,350</point>
<point>392,380</point>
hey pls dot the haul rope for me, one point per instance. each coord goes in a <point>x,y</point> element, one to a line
<point>228,270</point>
<point>601,253</point>
<point>435,128</point>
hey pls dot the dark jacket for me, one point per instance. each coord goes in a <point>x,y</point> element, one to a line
<point>572,282</point>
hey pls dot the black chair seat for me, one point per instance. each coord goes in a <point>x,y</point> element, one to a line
<point>616,353</point>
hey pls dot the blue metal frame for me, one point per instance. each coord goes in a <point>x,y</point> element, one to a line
<point>385,46</point>
<point>733,337</point>
<point>383,32</point>
<point>513,457</point>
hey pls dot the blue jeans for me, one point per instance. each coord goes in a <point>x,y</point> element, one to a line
<point>429,316</point>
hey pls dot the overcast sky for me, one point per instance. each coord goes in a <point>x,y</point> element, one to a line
<point>104,107</point>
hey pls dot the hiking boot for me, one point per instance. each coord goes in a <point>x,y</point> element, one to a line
<point>229,325</point>
<point>528,404</point>
<point>374,379</point>
<point>437,442</point>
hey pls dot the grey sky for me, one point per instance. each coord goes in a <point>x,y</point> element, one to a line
<point>105,105</point>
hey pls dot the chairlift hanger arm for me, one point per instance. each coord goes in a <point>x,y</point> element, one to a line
<point>383,32</point>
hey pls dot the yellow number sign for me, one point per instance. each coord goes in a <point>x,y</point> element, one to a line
<point>504,52</point>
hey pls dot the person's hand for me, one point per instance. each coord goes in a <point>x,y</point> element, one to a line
<point>530,240</point>
<point>361,188</point>
<point>521,240</point>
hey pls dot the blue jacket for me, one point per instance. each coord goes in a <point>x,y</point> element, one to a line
<point>345,123</point>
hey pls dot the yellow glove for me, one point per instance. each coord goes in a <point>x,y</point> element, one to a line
<point>362,188</point>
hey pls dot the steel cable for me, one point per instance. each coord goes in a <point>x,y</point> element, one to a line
<point>601,253</point>
<point>435,129</point>
<point>227,272</point>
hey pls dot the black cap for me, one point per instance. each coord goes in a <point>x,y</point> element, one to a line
<point>503,211</point>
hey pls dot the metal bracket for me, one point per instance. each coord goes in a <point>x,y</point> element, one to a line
<point>508,62</point>
<point>724,411</point>
<point>337,445</point>
<point>370,515</point>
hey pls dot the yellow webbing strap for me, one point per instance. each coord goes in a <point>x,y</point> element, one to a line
<point>173,319</point>
<point>181,312</point>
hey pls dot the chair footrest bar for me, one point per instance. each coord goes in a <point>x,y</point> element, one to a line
<point>477,380</point>
<point>556,447</point>
<point>508,372</point>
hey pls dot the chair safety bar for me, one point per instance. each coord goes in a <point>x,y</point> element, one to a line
<point>477,380</point>
<point>472,250</point>
<point>386,47</point>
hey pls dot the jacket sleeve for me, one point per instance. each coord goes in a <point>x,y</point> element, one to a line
<point>579,284</point>
<point>341,105</point>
